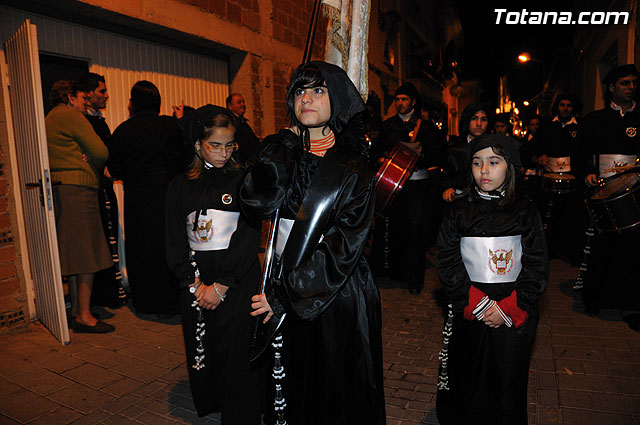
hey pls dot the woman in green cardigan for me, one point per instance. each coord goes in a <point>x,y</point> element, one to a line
<point>76,158</point>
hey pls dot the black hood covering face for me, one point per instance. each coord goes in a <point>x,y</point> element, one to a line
<point>345,99</point>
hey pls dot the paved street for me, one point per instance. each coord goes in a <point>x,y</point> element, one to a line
<point>584,370</point>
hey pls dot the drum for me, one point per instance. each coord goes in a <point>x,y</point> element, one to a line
<point>395,170</point>
<point>615,207</point>
<point>558,183</point>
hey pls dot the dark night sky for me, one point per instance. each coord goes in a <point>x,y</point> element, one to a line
<point>491,50</point>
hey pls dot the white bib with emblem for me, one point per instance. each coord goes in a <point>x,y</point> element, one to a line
<point>492,260</point>
<point>214,229</point>
<point>610,163</point>
<point>559,165</point>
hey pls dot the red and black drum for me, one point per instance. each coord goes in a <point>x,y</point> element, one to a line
<point>395,170</point>
<point>615,206</point>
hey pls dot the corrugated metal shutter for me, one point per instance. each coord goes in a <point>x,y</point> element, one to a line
<point>179,75</point>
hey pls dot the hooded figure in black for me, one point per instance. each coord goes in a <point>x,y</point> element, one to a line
<point>212,249</point>
<point>492,263</point>
<point>317,173</point>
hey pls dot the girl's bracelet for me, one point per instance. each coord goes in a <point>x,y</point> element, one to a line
<point>222,297</point>
<point>194,287</point>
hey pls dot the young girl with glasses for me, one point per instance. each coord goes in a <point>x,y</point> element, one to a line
<point>213,250</point>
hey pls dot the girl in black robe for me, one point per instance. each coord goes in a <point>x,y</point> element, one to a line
<point>492,263</point>
<point>318,174</point>
<point>213,251</point>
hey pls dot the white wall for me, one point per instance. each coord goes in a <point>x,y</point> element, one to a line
<point>179,75</point>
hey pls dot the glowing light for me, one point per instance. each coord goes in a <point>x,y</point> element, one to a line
<point>524,57</point>
<point>526,103</point>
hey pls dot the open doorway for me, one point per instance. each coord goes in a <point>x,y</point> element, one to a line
<point>55,68</point>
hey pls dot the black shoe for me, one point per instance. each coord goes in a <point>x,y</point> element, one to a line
<point>415,291</point>
<point>99,328</point>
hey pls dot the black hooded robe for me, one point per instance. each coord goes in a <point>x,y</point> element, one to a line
<point>487,368</point>
<point>332,330</point>
<point>146,152</point>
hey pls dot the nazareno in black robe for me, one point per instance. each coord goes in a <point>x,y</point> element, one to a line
<point>146,152</point>
<point>228,382</point>
<point>611,280</point>
<point>331,333</point>
<point>487,368</point>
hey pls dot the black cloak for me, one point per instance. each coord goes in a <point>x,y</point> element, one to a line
<point>332,341</point>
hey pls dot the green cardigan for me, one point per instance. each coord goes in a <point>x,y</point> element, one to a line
<point>69,135</point>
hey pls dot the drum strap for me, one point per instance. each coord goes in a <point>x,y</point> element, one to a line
<point>313,215</point>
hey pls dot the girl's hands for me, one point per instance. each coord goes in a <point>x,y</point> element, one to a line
<point>260,305</point>
<point>207,296</point>
<point>492,318</point>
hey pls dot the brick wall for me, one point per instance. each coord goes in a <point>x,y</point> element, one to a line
<point>291,21</point>
<point>243,12</point>
<point>281,74</point>
<point>256,92</point>
<point>13,308</point>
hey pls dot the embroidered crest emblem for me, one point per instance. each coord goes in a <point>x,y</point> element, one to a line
<point>500,261</point>
<point>204,231</point>
<point>631,131</point>
<point>617,165</point>
<point>226,199</point>
<point>573,134</point>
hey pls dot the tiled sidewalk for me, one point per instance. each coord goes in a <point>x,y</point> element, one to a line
<point>585,370</point>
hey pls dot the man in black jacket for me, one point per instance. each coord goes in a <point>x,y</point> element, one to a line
<point>557,144</point>
<point>612,136</point>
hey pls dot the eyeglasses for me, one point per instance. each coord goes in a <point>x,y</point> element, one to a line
<point>221,149</point>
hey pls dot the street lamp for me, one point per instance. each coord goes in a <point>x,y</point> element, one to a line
<point>525,57</point>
